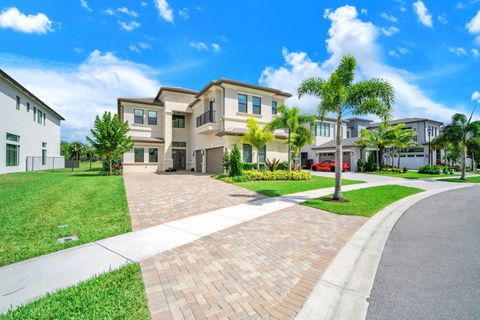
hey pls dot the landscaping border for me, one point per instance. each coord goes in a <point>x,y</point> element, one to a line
<point>344,289</point>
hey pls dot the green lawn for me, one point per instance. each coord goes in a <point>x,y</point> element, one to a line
<point>364,202</point>
<point>469,179</point>
<point>413,175</point>
<point>282,187</point>
<point>114,295</point>
<point>34,204</point>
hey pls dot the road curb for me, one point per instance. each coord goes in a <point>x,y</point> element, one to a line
<point>344,289</point>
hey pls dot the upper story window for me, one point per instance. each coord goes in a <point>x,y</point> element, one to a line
<point>18,103</point>
<point>13,137</point>
<point>34,114</point>
<point>257,105</point>
<point>242,103</point>
<point>44,118</point>
<point>138,116</point>
<point>152,118</point>
<point>178,121</point>
<point>274,107</point>
<point>322,129</point>
<point>39,116</point>
<point>28,106</point>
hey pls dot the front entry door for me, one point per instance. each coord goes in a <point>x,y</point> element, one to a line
<point>179,159</point>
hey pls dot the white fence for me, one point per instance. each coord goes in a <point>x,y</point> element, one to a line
<point>49,163</point>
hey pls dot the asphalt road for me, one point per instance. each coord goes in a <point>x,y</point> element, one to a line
<point>430,267</point>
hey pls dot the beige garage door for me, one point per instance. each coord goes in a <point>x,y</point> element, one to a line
<point>214,160</point>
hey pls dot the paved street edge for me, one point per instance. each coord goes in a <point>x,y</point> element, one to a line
<point>345,287</point>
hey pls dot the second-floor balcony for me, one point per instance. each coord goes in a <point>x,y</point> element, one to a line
<point>206,117</point>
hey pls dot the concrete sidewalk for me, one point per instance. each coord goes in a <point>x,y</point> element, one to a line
<point>31,279</point>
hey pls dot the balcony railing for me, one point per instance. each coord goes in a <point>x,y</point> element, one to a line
<point>206,117</point>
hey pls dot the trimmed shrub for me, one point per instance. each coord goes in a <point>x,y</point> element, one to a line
<point>283,165</point>
<point>235,165</point>
<point>256,175</point>
<point>430,169</point>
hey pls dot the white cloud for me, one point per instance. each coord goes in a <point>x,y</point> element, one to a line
<point>474,25</point>
<point>109,12</point>
<point>350,35</point>
<point>82,91</point>
<point>388,17</point>
<point>129,26</point>
<point>399,51</point>
<point>476,96</point>
<point>423,15</point>
<point>443,18</point>
<point>364,11</point>
<point>144,4</point>
<point>14,19</point>
<point>475,53</point>
<point>393,53</point>
<point>390,31</point>
<point>184,13</point>
<point>459,51</point>
<point>78,50</point>
<point>128,12</point>
<point>216,47</point>
<point>164,10</point>
<point>84,5</point>
<point>139,46</point>
<point>199,45</point>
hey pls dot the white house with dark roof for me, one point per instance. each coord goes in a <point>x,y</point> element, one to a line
<point>29,130</point>
<point>190,130</point>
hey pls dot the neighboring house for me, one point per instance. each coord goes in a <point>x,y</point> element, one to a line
<point>29,130</point>
<point>413,158</point>
<point>189,130</point>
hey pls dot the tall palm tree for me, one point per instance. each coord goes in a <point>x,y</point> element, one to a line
<point>289,119</point>
<point>340,95</point>
<point>458,132</point>
<point>257,137</point>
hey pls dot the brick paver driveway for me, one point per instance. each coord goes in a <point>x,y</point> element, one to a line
<point>158,198</point>
<point>261,269</point>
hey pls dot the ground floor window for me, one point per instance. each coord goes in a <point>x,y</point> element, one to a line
<point>247,153</point>
<point>262,154</point>
<point>139,156</point>
<point>44,157</point>
<point>153,155</point>
<point>13,155</point>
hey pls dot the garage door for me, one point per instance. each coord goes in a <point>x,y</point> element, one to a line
<point>215,160</point>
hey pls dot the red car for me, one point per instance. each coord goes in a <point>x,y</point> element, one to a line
<point>329,165</point>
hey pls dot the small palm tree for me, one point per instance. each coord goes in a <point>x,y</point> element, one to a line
<point>302,137</point>
<point>378,138</point>
<point>289,119</point>
<point>458,132</point>
<point>340,95</point>
<point>257,137</point>
<point>402,138</point>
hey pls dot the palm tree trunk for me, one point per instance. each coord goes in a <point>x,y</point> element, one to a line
<point>378,159</point>
<point>258,158</point>
<point>289,152</point>
<point>337,195</point>
<point>464,160</point>
<point>110,163</point>
<point>399,159</point>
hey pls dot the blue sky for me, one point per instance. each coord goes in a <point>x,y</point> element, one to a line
<point>80,55</point>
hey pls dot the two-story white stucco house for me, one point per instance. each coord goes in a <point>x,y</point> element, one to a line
<point>190,130</point>
<point>29,130</point>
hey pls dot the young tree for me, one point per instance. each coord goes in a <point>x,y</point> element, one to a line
<point>110,137</point>
<point>257,137</point>
<point>340,95</point>
<point>65,150</point>
<point>235,164</point>
<point>378,138</point>
<point>302,137</point>
<point>77,149</point>
<point>458,132</point>
<point>289,119</point>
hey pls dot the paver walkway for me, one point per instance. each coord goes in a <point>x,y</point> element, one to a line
<point>32,279</point>
<point>261,269</point>
<point>158,198</point>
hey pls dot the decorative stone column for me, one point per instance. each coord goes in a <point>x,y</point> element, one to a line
<point>167,136</point>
